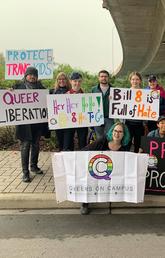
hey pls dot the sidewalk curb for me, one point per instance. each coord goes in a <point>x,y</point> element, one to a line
<point>32,201</point>
<point>48,201</point>
<point>38,201</point>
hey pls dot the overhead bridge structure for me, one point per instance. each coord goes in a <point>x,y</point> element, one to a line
<point>141,28</point>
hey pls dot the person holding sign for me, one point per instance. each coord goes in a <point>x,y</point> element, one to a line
<point>135,127</point>
<point>29,134</point>
<point>76,80</point>
<point>160,131</point>
<point>62,85</point>
<point>153,85</point>
<point>104,88</point>
<point>117,139</point>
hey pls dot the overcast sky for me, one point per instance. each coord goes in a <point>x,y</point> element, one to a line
<point>80,32</point>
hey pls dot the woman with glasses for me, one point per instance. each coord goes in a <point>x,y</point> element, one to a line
<point>117,139</point>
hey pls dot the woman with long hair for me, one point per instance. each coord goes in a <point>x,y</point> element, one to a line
<point>136,127</point>
<point>61,86</point>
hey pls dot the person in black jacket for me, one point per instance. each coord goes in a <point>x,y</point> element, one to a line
<point>135,126</point>
<point>29,134</point>
<point>61,86</point>
<point>117,139</point>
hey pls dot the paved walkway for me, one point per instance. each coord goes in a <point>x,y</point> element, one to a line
<point>40,192</point>
<point>11,174</point>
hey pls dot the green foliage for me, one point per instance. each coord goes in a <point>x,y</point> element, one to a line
<point>7,136</point>
<point>120,82</point>
<point>89,80</point>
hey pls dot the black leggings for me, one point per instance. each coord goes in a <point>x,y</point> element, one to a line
<point>136,131</point>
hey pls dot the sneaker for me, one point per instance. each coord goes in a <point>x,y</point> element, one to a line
<point>36,170</point>
<point>26,178</point>
<point>84,209</point>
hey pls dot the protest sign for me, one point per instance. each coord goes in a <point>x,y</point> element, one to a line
<point>74,110</point>
<point>134,104</point>
<point>99,176</point>
<point>17,62</point>
<point>23,107</point>
<point>155,178</point>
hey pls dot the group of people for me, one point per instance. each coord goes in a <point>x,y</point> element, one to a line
<point>113,136</point>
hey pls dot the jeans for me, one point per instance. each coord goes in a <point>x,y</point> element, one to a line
<point>26,146</point>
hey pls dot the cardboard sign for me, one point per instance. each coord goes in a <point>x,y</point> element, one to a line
<point>99,176</point>
<point>74,110</point>
<point>155,178</point>
<point>134,104</point>
<point>17,62</point>
<point>23,107</point>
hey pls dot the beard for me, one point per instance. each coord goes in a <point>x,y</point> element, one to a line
<point>30,85</point>
<point>104,82</point>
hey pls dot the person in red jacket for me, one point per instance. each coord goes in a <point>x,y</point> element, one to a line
<point>153,85</point>
<point>82,132</point>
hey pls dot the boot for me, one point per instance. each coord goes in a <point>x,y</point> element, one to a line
<point>84,209</point>
<point>25,148</point>
<point>26,177</point>
<point>36,170</point>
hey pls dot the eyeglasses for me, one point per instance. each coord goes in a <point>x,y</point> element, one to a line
<point>115,131</point>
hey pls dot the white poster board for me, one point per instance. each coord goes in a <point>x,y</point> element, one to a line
<point>17,61</point>
<point>134,104</point>
<point>74,110</point>
<point>99,176</point>
<point>19,107</point>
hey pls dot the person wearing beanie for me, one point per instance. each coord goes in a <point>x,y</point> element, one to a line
<point>31,70</point>
<point>160,131</point>
<point>154,85</point>
<point>29,134</point>
<point>82,132</point>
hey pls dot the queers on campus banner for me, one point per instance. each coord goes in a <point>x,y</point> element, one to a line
<point>155,178</point>
<point>19,107</point>
<point>17,61</point>
<point>134,104</point>
<point>99,176</point>
<point>74,110</point>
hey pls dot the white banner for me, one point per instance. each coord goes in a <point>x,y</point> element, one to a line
<point>134,104</point>
<point>74,110</point>
<point>17,62</point>
<point>19,107</point>
<point>99,176</point>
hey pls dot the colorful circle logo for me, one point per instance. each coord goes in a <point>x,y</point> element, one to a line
<point>53,121</point>
<point>100,167</point>
<point>155,94</point>
<point>152,162</point>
